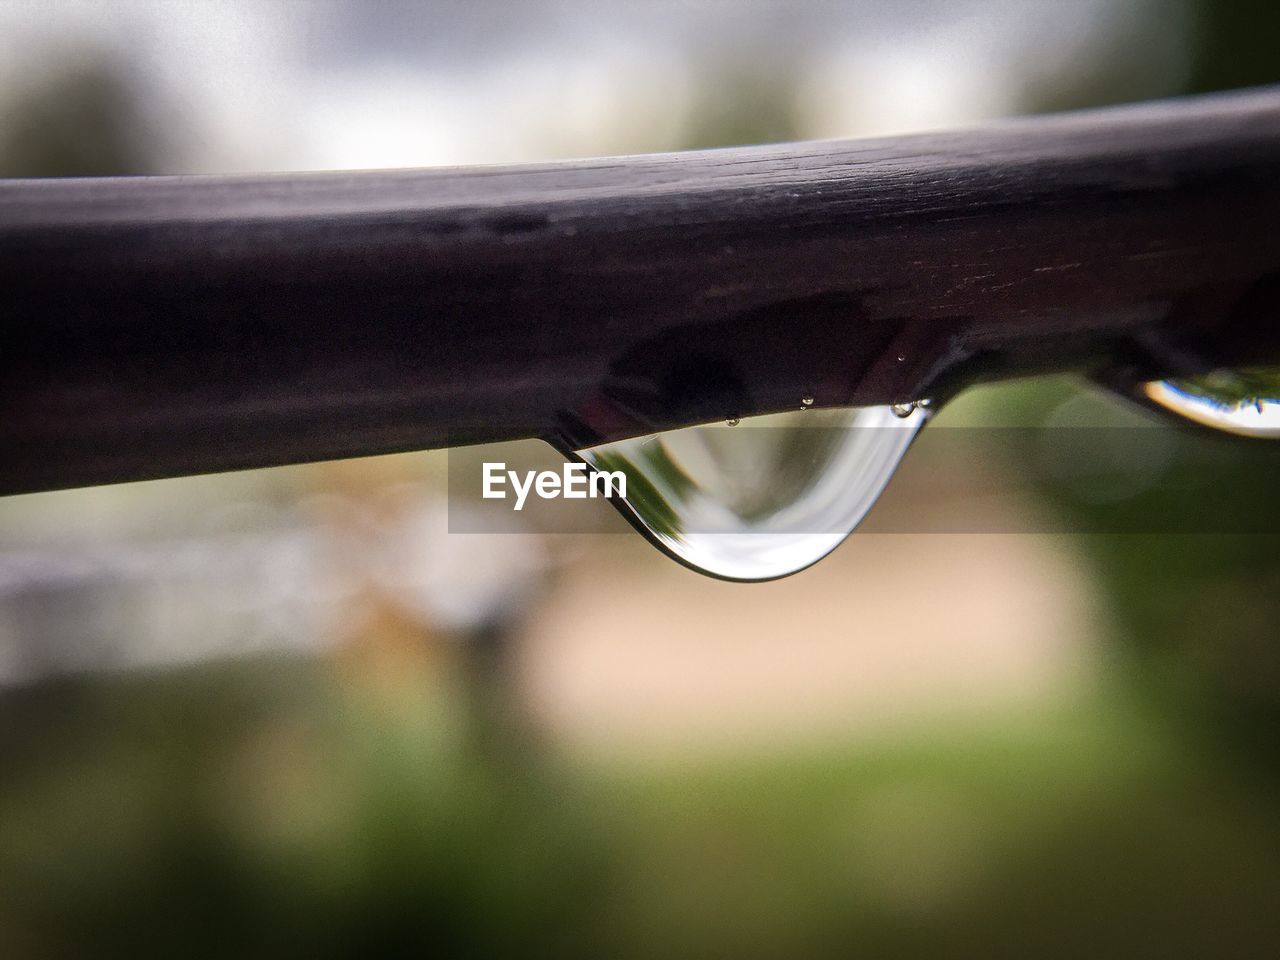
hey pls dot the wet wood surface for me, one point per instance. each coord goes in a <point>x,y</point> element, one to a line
<point>161,326</point>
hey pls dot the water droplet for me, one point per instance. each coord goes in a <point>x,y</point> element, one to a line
<point>806,402</point>
<point>901,358</point>
<point>1244,402</point>
<point>733,421</point>
<point>764,500</point>
<point>903,410</point>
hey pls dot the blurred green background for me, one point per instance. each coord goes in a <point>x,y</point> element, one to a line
<point>285,712</point>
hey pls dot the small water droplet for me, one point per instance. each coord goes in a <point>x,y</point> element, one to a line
<point>733,421</point>
<point>901,358</point>
<point>764,500</point>
<point>1244,402</point>
<point>806,402</point>
<point>903,410</point>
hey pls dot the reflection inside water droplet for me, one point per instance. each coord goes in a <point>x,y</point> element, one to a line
<point>1244,402</point>
<point>765,499</point>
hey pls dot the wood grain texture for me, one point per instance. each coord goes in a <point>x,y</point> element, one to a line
<point>160,326</point>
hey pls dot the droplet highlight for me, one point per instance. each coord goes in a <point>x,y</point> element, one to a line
<point>1244,402</point>
<point>763,500</point>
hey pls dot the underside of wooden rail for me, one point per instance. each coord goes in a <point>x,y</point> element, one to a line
<point>160,326</point>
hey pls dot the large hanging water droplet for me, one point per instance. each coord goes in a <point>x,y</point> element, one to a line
<point>1244,402</point>
<point>764,499</point>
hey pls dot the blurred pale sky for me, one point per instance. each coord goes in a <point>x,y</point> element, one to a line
<point>244,85</point>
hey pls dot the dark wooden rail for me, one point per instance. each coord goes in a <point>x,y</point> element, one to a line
<point>161,326</point>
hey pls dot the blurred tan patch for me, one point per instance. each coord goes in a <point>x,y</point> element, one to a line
<point>888,630</point>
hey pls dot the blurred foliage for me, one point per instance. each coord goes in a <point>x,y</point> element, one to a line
<point>1236,44</point>
<point>743,102</point>
<point>1187,565</point>
<point>83,120</point>
<point>268,810</point>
